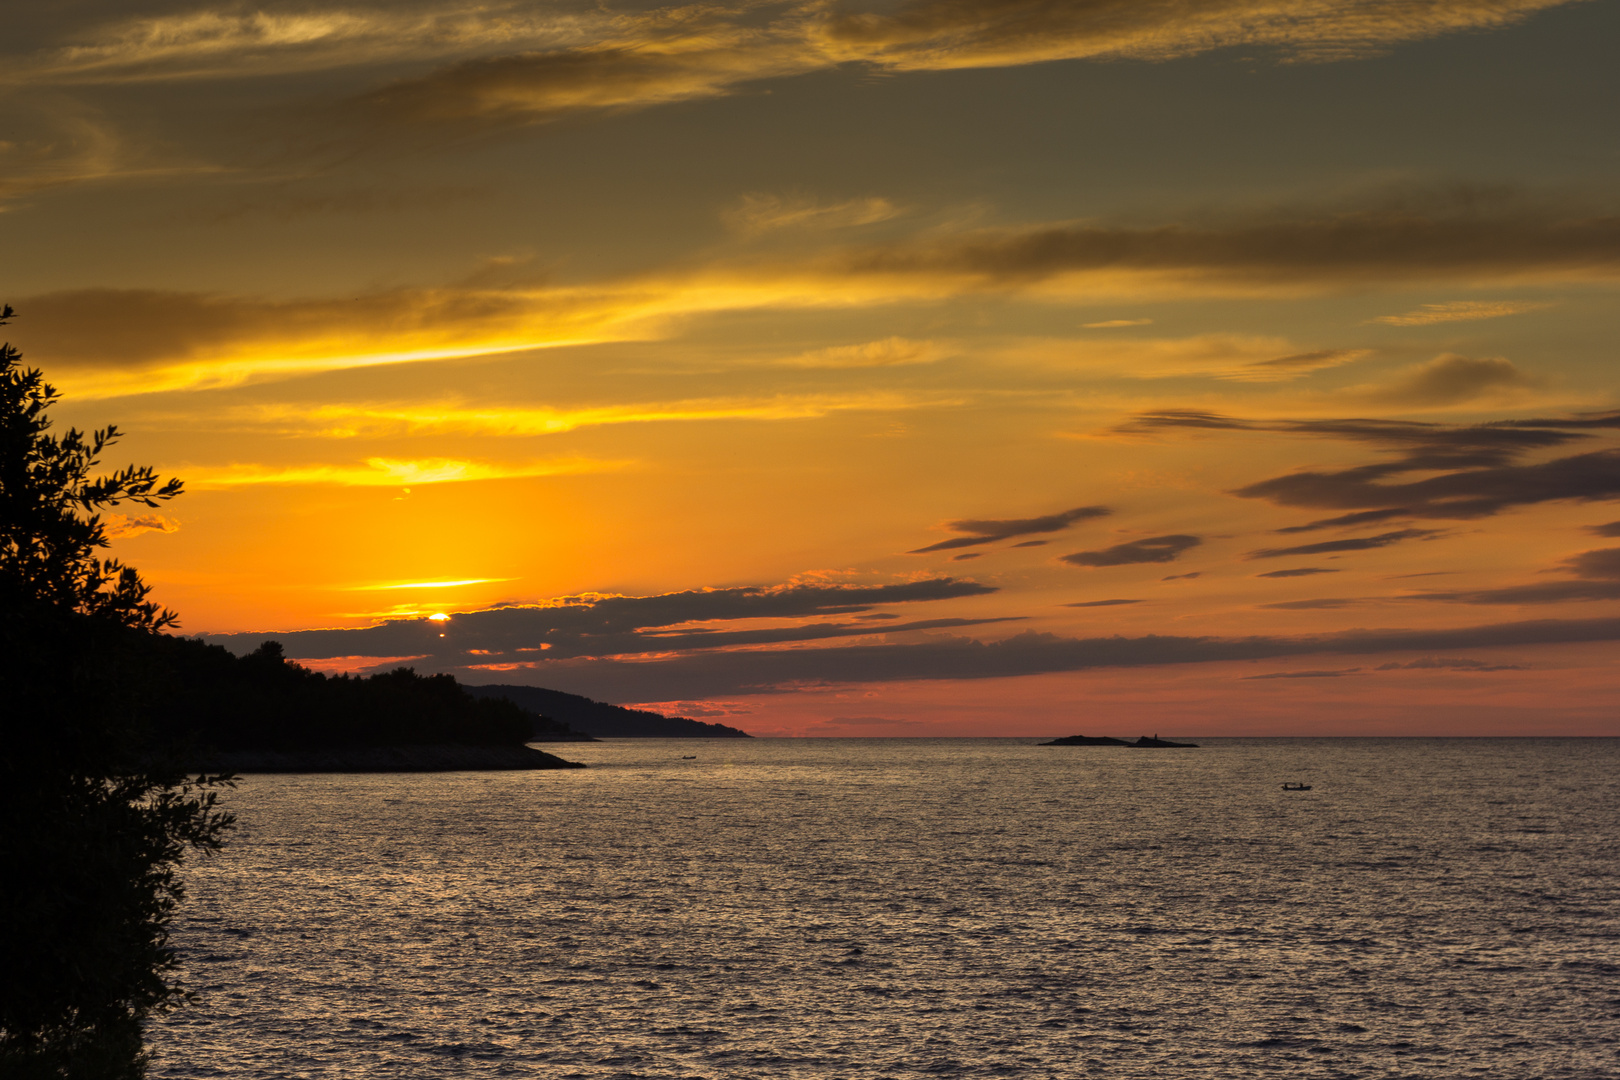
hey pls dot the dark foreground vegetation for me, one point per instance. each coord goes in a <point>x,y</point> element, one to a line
<point>106,720</point>
<point>94,815</point>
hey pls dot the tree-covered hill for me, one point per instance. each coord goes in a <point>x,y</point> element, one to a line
<point>581,714</point>
<point>217,701</point>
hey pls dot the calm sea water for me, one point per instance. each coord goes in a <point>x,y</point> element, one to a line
<point>910,908</point>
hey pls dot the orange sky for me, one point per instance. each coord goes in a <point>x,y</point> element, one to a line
<point>883,368</point>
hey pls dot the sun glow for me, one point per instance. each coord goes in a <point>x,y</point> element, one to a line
<point>429,585</point>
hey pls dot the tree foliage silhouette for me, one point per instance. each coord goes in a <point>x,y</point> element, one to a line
<point>95,824</point>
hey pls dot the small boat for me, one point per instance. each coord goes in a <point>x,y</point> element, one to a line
<point>1296,787</point>
<point>688,757</point>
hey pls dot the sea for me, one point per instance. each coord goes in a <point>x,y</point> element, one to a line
<point>865,908</point>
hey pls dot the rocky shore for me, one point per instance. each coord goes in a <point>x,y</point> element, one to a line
<point>445,757</point>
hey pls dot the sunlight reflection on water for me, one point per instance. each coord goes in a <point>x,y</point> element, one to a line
<point>892,908</point>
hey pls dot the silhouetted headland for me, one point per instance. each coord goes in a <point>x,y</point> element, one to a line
<point>580,715</point>
<point>263,713</point>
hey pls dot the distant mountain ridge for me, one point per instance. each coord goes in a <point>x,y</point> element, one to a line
<point>602,720</point>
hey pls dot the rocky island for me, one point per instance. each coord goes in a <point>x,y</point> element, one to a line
<point>1086,740</point>
<point>1145,742</point>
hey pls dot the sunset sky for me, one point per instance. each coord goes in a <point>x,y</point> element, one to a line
<point>943,367</point>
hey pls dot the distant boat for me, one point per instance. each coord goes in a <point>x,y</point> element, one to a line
<point>1156,743</point>
<point>1296,787</point>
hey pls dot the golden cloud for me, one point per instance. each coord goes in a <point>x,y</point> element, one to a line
<point>232,43</point>
<point>120,526</point>
<point>756,213</point>
<point>1237,357</point>
<point>889,352</point>
<point>390,472</point>
<point>105,342</point>
<point>1460,311</point>
<point>682,53</point>
<point>371,420</point>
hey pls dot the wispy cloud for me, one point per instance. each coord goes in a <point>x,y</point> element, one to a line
<point>107,342</point>
<point>681,54</point>
<point>1460,311</point>
<point>279,39</point>
<point>1333,674</point>
<point>389,472</point>
<point>719,673</point>
<point>889,352</point>
<point>988,531</point>
<point>1359,543</point>
<point>597,625</point>
<point>1448,380</point>
<point>1154,549</point>
<point>427,584</point>
<point>1598,574</point>
<point>1444,663</point>
<point>1475,471</point>
<point>367,420</point>
<point>757,213</point>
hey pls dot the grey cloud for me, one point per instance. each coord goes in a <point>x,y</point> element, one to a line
<point>1305,674</point>
<point>1156,549</point>
<point>990,530</point>
<point>1363,517</point>
<point>1602,563</point>
<point>969,555</point>
<point>1479,466</point>
<point>131,328</point>
<point>1458,495</point>
<point>1552,592</point>
<point>1362,543</point>
<point>1611,529</point>
<point>1447,664</point>
<point>1449,380</point>
<point>1598,570</point>
<point>1342,247</point>
<point>1301,571</point>
<point>601,626</point>
<point>1426,445</point>
<point>1102,603</point>
<point>1183,577</point>
<point>717,674</point>
<point>1309,361</point>
<point>1322,604</point>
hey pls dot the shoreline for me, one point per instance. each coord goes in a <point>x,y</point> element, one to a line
<point>439,757</point>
